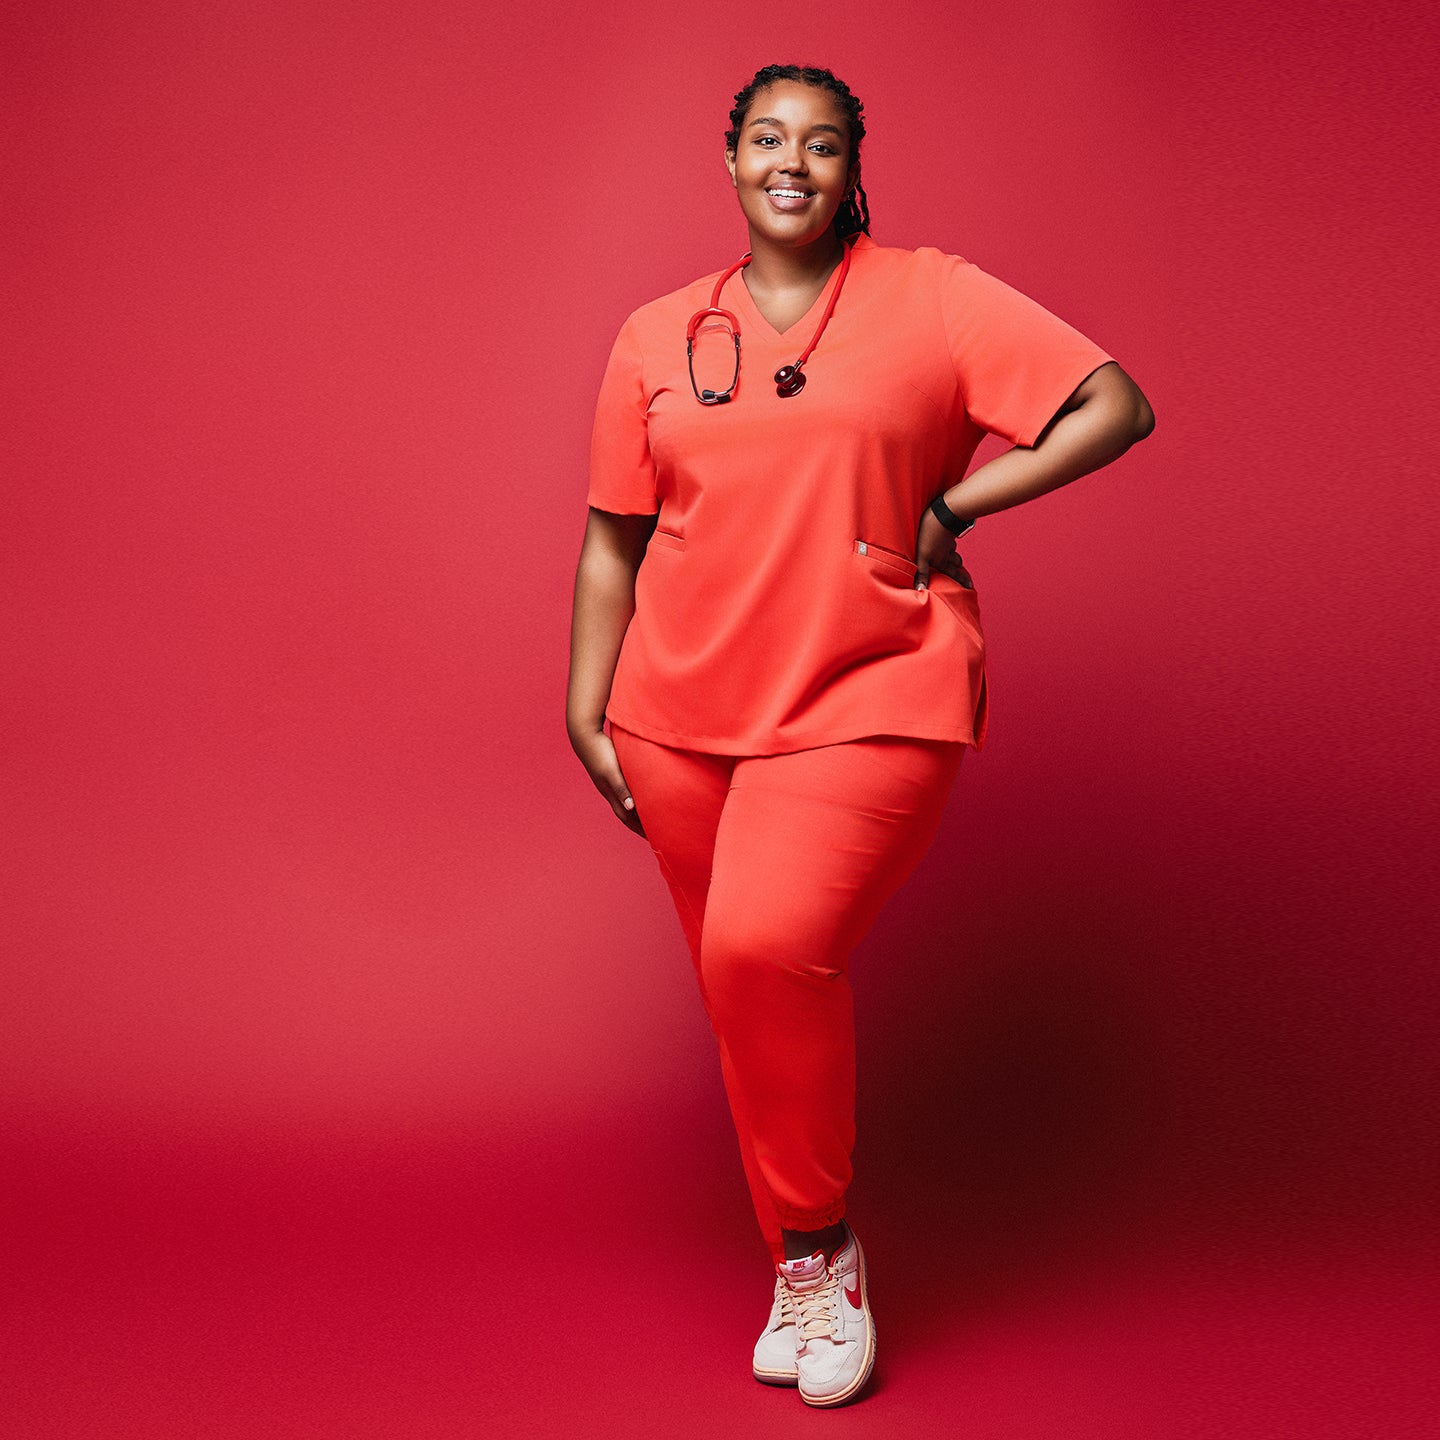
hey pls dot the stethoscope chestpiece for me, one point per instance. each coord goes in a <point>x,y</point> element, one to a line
<point>789,380</point>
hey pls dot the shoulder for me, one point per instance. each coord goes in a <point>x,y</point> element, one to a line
<point>922,268</point>
<point>659,317</point>
<point>926,283</point>
<point>648,333</point>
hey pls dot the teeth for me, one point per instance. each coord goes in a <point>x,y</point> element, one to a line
<point>790,194</point>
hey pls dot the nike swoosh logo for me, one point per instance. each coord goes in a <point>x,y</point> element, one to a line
<point>853,1296</point>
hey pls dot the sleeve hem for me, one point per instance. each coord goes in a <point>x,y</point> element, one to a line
<point>622,507</point>
<point>1031,433</point>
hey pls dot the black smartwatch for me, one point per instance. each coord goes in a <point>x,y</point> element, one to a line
<point>949,519</point>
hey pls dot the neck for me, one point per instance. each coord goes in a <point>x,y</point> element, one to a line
<point>778,266</point>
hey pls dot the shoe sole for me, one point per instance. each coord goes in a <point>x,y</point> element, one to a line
<point>825,1402</point>
<point>776,1377</point>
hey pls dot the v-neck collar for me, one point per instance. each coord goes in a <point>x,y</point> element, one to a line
<point>745,302</point>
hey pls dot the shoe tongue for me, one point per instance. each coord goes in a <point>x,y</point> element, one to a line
<point>804,1272</point>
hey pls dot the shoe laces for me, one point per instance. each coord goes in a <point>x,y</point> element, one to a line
<point>817,1309</point>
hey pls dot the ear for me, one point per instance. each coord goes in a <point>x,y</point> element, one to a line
<point>854,178</point>
<point>730,166</point>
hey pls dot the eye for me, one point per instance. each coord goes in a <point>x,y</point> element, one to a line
<point>766,140</point>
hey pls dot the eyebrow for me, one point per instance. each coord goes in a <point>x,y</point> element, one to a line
<point>771,120</point>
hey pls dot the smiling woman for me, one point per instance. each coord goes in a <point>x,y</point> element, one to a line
<point>771,616</point>
<point>796,164</point>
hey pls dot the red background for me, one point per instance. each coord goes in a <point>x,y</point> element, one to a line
<point>354,1080</point>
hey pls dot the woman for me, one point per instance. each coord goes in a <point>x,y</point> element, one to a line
<point>771,611</point>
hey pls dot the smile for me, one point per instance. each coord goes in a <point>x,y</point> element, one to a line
<point>781,193</point>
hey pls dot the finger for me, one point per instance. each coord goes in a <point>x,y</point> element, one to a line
<point>618,792</point>
<point>622,802</point>
<point>922,574</point>
<point>631,820</point>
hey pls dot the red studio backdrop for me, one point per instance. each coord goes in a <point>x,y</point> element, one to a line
<point>354,1082</point>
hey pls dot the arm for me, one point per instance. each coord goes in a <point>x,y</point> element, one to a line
<point>610,556</point>
<point>1100,421</point>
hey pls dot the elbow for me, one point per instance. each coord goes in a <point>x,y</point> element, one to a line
<point>1132,415</point>
<point>1143,419</point>
<point>1121,409</point>
<point>1139,418</point>
<point>1134,419</point>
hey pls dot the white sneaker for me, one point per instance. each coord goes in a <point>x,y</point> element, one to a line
<point>835,1335</point>
<point>775,1349</point>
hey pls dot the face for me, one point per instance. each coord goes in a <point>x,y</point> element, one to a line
<point>791,164</point>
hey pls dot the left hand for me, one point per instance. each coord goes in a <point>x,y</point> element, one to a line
<point>936,550</point>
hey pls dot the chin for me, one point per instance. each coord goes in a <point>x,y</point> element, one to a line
<point>790,234</point>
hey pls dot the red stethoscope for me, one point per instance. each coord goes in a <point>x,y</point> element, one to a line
<point>789,379</point>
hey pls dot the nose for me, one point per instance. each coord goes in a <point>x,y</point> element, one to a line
<point>793,159</point>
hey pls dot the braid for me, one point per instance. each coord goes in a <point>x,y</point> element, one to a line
<point>854,214</point>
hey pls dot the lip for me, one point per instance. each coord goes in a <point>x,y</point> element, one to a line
<point>788,204</point>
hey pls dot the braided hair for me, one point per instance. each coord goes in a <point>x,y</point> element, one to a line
<point>854,213</point>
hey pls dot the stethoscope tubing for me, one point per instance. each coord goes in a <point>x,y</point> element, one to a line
<point>789,379</point>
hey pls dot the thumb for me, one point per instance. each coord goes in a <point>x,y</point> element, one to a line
<point>922,574</point>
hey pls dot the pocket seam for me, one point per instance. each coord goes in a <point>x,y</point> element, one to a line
<point>882,555</point>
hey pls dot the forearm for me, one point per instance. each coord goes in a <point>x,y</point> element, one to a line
<point>603,607</point>
<point>1102,420</point>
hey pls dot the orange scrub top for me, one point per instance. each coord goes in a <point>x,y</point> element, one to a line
<point>776,607</point>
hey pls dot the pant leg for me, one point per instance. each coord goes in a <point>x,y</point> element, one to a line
<point>778,866</point>
<point>808,849</point>
<point>679,796</point>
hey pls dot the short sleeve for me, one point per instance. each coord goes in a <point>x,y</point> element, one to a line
<point>622,473</point>
<point>1015,362</point>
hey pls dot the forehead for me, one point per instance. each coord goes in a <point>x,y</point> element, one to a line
<point>795,103</point>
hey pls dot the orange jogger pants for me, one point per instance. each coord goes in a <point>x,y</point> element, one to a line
<point>778,865</point>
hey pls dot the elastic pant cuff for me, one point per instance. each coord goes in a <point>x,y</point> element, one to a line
<point>792,1218</point>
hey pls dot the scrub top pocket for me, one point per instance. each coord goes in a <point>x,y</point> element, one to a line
<point>883,555</point>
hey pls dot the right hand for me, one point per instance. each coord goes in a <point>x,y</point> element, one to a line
<point>597,754</point>
<point>935,550</point>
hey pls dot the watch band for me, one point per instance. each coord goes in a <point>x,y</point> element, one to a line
<point>949,519</point>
